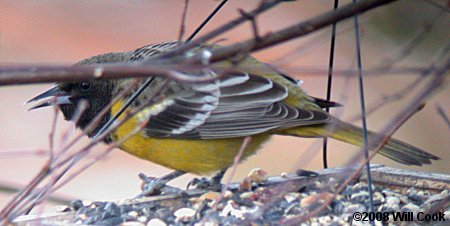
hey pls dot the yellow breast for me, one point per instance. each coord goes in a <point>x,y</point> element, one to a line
<point>193,156</point>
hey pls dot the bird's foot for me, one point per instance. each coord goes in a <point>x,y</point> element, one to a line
<point>152,186</point>
<point>205,183</point>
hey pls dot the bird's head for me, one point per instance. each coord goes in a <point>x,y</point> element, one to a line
<point>67,96</point>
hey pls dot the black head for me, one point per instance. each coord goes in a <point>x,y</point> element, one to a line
<point>67,96</point>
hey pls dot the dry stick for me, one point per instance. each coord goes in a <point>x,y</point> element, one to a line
<point>443,7</point>
<point>309,45</point>
<point>436,82</point>
<point>74,158</point>
<point>442,113</point>
<point>22,203</point>
<point>409,88</point>
<point>15,76</point>
<point>101,136</point>
<point>119,123</point>
<point>94,122</point>
<point>415,42</point>
<point>236,161</point>
<point>51,135</point>
<point>20,75</point>
<point>24,192</point>
<point>53,188</point>
<point>183,22</point>
<point>49,167</point>
<point>385,99</point>
<point>155,67</point>
<point>377,71</point>
<point>297,30</point>
<point>264,6</point>
<point>63,146</point>
<point>11,188</point>
<point>22,153</point>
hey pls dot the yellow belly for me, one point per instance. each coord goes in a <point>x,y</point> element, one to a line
<point>193,156</point>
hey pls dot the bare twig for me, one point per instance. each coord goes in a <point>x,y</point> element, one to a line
<point>434,84</point>
<point>22,153</point>
<point>161,66</point>
<point>443,115</point>
<point>183,22</point>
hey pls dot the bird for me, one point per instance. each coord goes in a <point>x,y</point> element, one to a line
<point>199,128</point>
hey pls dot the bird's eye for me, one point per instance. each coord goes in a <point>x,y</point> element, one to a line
<point>84,86</point>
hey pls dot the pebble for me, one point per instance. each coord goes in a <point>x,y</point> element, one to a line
<point>247,195</point>
<point>212,196</point>
<point>355,208</point>
<point>438,197</point>
<point>392,201</point>
<point>291,196</point>
<point>265,206</point>
<point>132,223</point>
<point>410,208</point>
<point>315,198</point>
<point>360,197</point>
<point>258,175</point>
<point>227,194</point>
<point>230,210</point>
<point>184,214</point>
<point>156,222</point>
<point>245,184</point>
<point>447,215</point>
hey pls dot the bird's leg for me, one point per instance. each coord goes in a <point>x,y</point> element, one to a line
<point>211,184</point>
<point>156,186</point>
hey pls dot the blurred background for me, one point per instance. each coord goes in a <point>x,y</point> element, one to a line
<point>65,31</point>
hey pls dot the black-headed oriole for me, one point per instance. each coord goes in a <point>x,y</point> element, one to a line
<point>199,128</point>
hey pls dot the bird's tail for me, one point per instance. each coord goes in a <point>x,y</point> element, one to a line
<point>394,149</point>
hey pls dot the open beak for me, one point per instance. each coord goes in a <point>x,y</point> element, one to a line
<point>58,97</point>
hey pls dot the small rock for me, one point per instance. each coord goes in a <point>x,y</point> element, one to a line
<point>133,214</point>
<point>246,184</point>
<point>228,194</point>
<point>132,223</point>
<point>142,219</point>
<point>284,175</point>
<point>82,217</point>
<point>258,175</point>
<point>391,201</point>
<point>156,222</point>
<point>163,213</point>
<point>76,204</point>
<point>355,208</point>
<point>247,195</point>
<point>86,202</point>
<point>291,196</point>
<point>212,196</point>
<point>411,208</point>
<point>184,214</point>
<point>229,210</point>
<point>315,198</point>
<point>447,215</point>
<point>437,197</point>
<point>360,197</point>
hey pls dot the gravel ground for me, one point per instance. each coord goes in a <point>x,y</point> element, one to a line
<point>256,204</point>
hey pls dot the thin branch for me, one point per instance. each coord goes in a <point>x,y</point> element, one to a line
<point>433,85</point>
<point>161,66</point>
<point>295,31</point>
<point>443,115</point>
<point>183,22</point>
<point>266,5</point>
